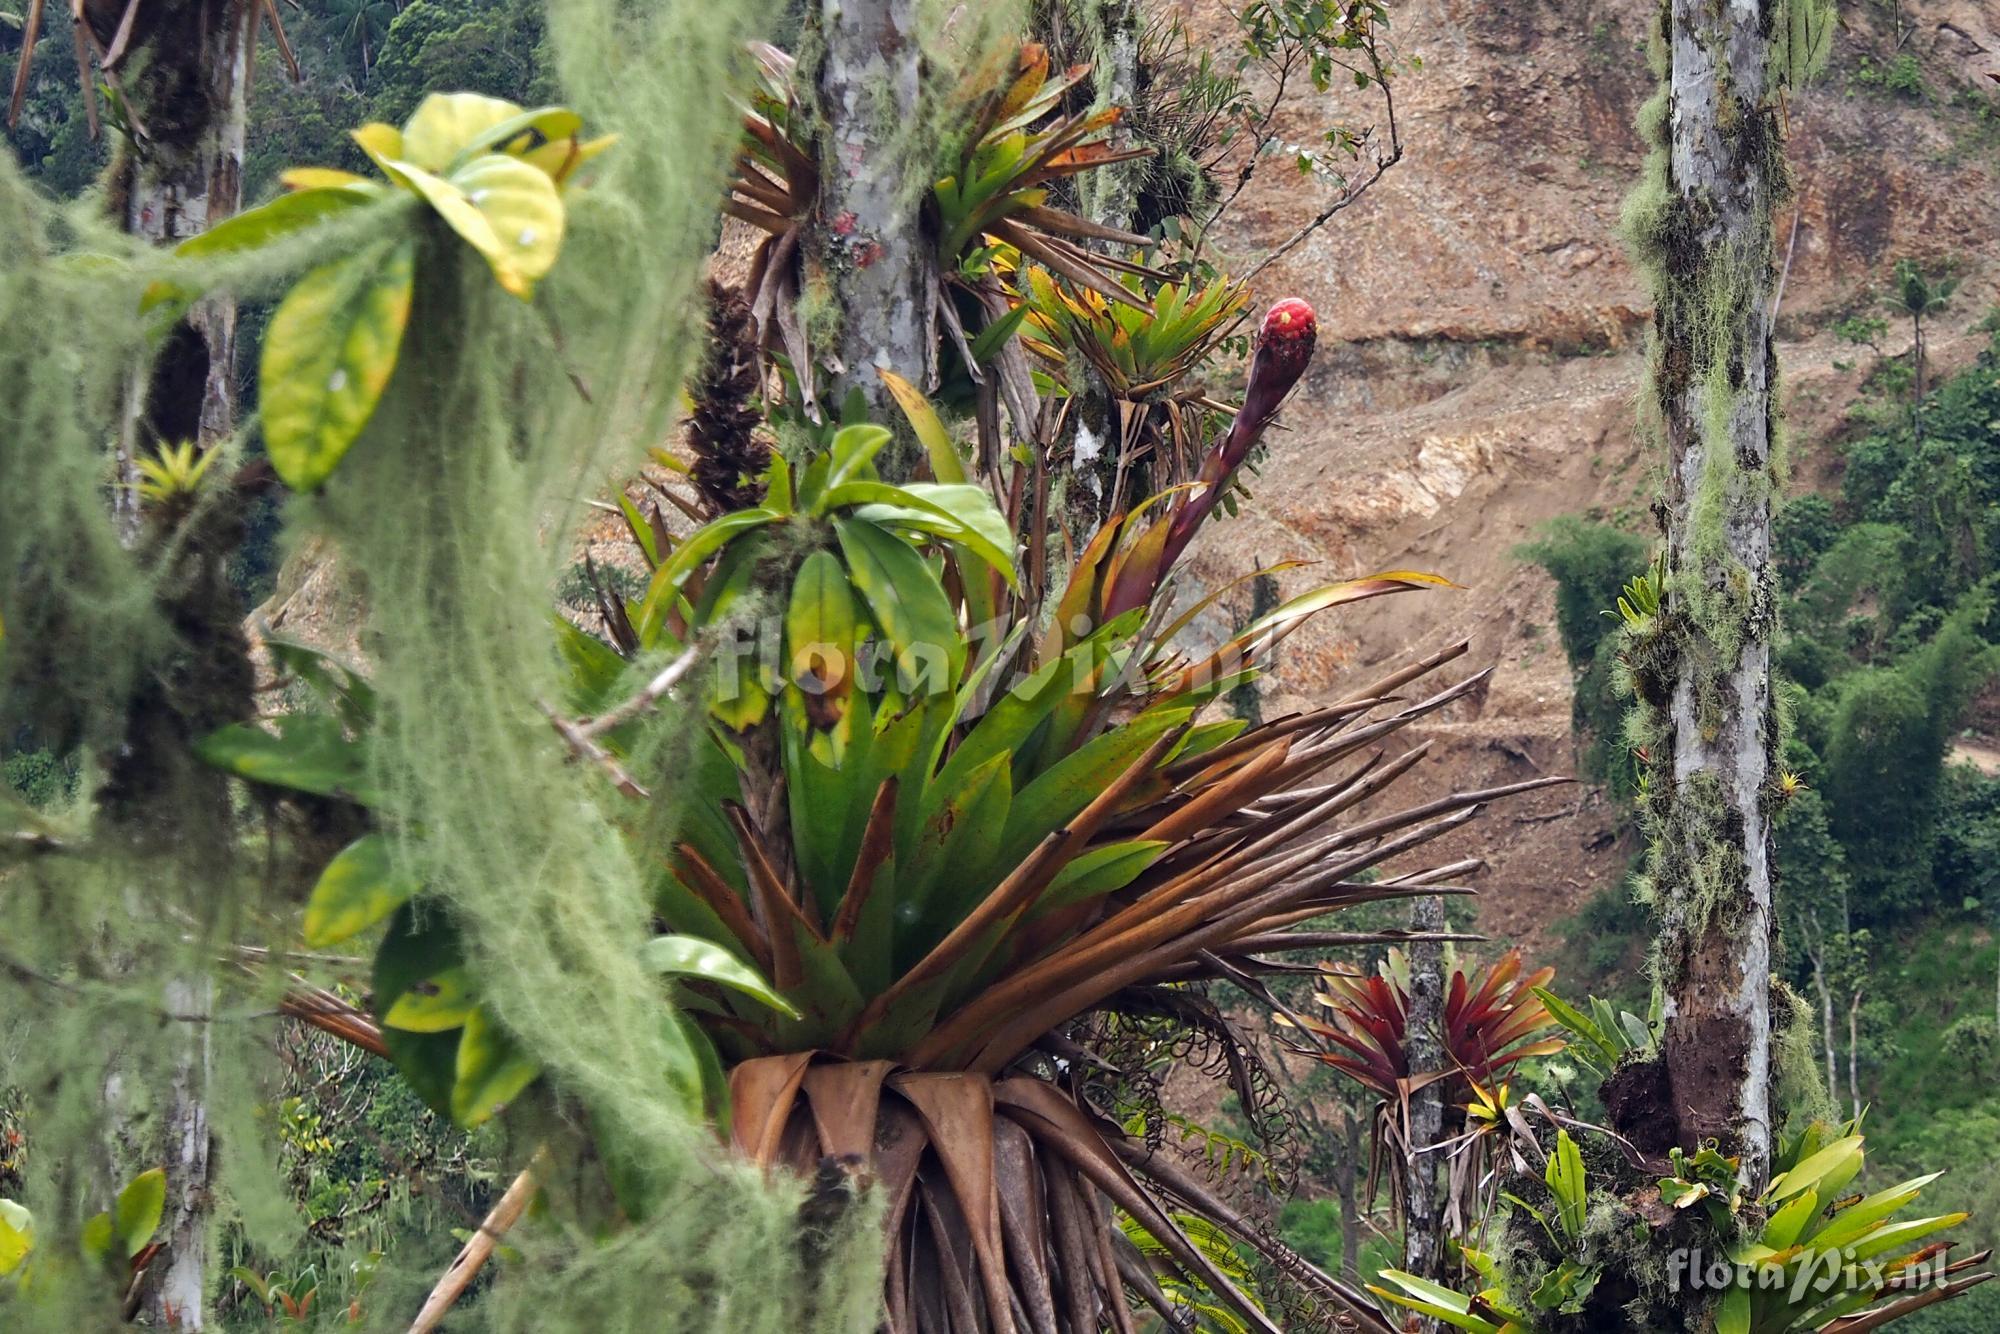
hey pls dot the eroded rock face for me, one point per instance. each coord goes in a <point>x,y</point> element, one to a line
<point>1481,350</point>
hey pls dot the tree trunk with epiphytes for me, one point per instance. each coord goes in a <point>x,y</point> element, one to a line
<point>1423,1044</point>
<point>1702,223</point>
<point>179,174</point>
<point>869,271</point>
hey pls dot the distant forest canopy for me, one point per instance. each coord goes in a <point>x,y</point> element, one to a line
<point>359,60</point>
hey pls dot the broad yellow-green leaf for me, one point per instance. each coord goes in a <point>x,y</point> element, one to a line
<point>328,354</point>
<point>358,888</point>
<point>437,1004</point>
<point>945,463</point>
<point>17,1236</point>
<point>706,961</point>
<point>98,1237</point>
<point>905,601</point>
<point>851,456</point>
<point>492,1070</point>
<point>964,514</point>
<point>444,124</point>
<point>522,206</point>
<point>309,753</point>
<point>1732,1316</point>
<point>503,208</point>
<point>140,1205</point>
<point>284,215</point>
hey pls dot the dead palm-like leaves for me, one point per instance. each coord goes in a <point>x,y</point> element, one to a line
<point>110,31</point>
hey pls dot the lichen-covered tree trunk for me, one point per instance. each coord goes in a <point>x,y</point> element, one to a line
<point>872,273</point>
<point>1423,1045</point>
<point>1704,224</point>
<point>182,174</point>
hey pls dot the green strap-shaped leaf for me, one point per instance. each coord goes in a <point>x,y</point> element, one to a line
<point>904,600</point>
<point>1101,870</point>
<point>688,557</point>
<point>328,355</point>
<point>706,961</point>
<point>358,888</point>
<point>492,1071</point>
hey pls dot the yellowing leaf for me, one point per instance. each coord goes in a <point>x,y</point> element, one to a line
<point>491,1071</point>
<point>561,158</point>
<point>526,214</point>
<point>358,888</point>
<point>17,1236</point>
<point>445,123</point>
<point>328,355</point>
<point>945,464</point>
<point>503,208</point>
<point>379,141</point>
<point>437,1004</point>
<point>324,178</point>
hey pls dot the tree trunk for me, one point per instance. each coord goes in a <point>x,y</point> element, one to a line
<point>188,90</point>
<point>1826,1024</point>
<point>1917,397</point>
<point>1854,1054</point>
<point>868,248</point>
<point>1347,1187</point>
<point>1423,1226</point>
<point>1707,233</point>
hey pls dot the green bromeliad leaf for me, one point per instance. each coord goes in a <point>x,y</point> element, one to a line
<point>328,355</point>
<point>820,627</point>
<point>358,888</point>
<point>705,961</point>
<point>904,599</point>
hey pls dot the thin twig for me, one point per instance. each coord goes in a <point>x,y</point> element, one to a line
<point>478,1250</point>
<point>643,702</point>
<point>1352,193</point>
<point>586,749</point>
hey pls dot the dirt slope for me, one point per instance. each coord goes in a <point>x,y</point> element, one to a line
<point>1481,348</point>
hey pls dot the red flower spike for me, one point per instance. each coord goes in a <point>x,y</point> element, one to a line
<point>1284,348</point>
